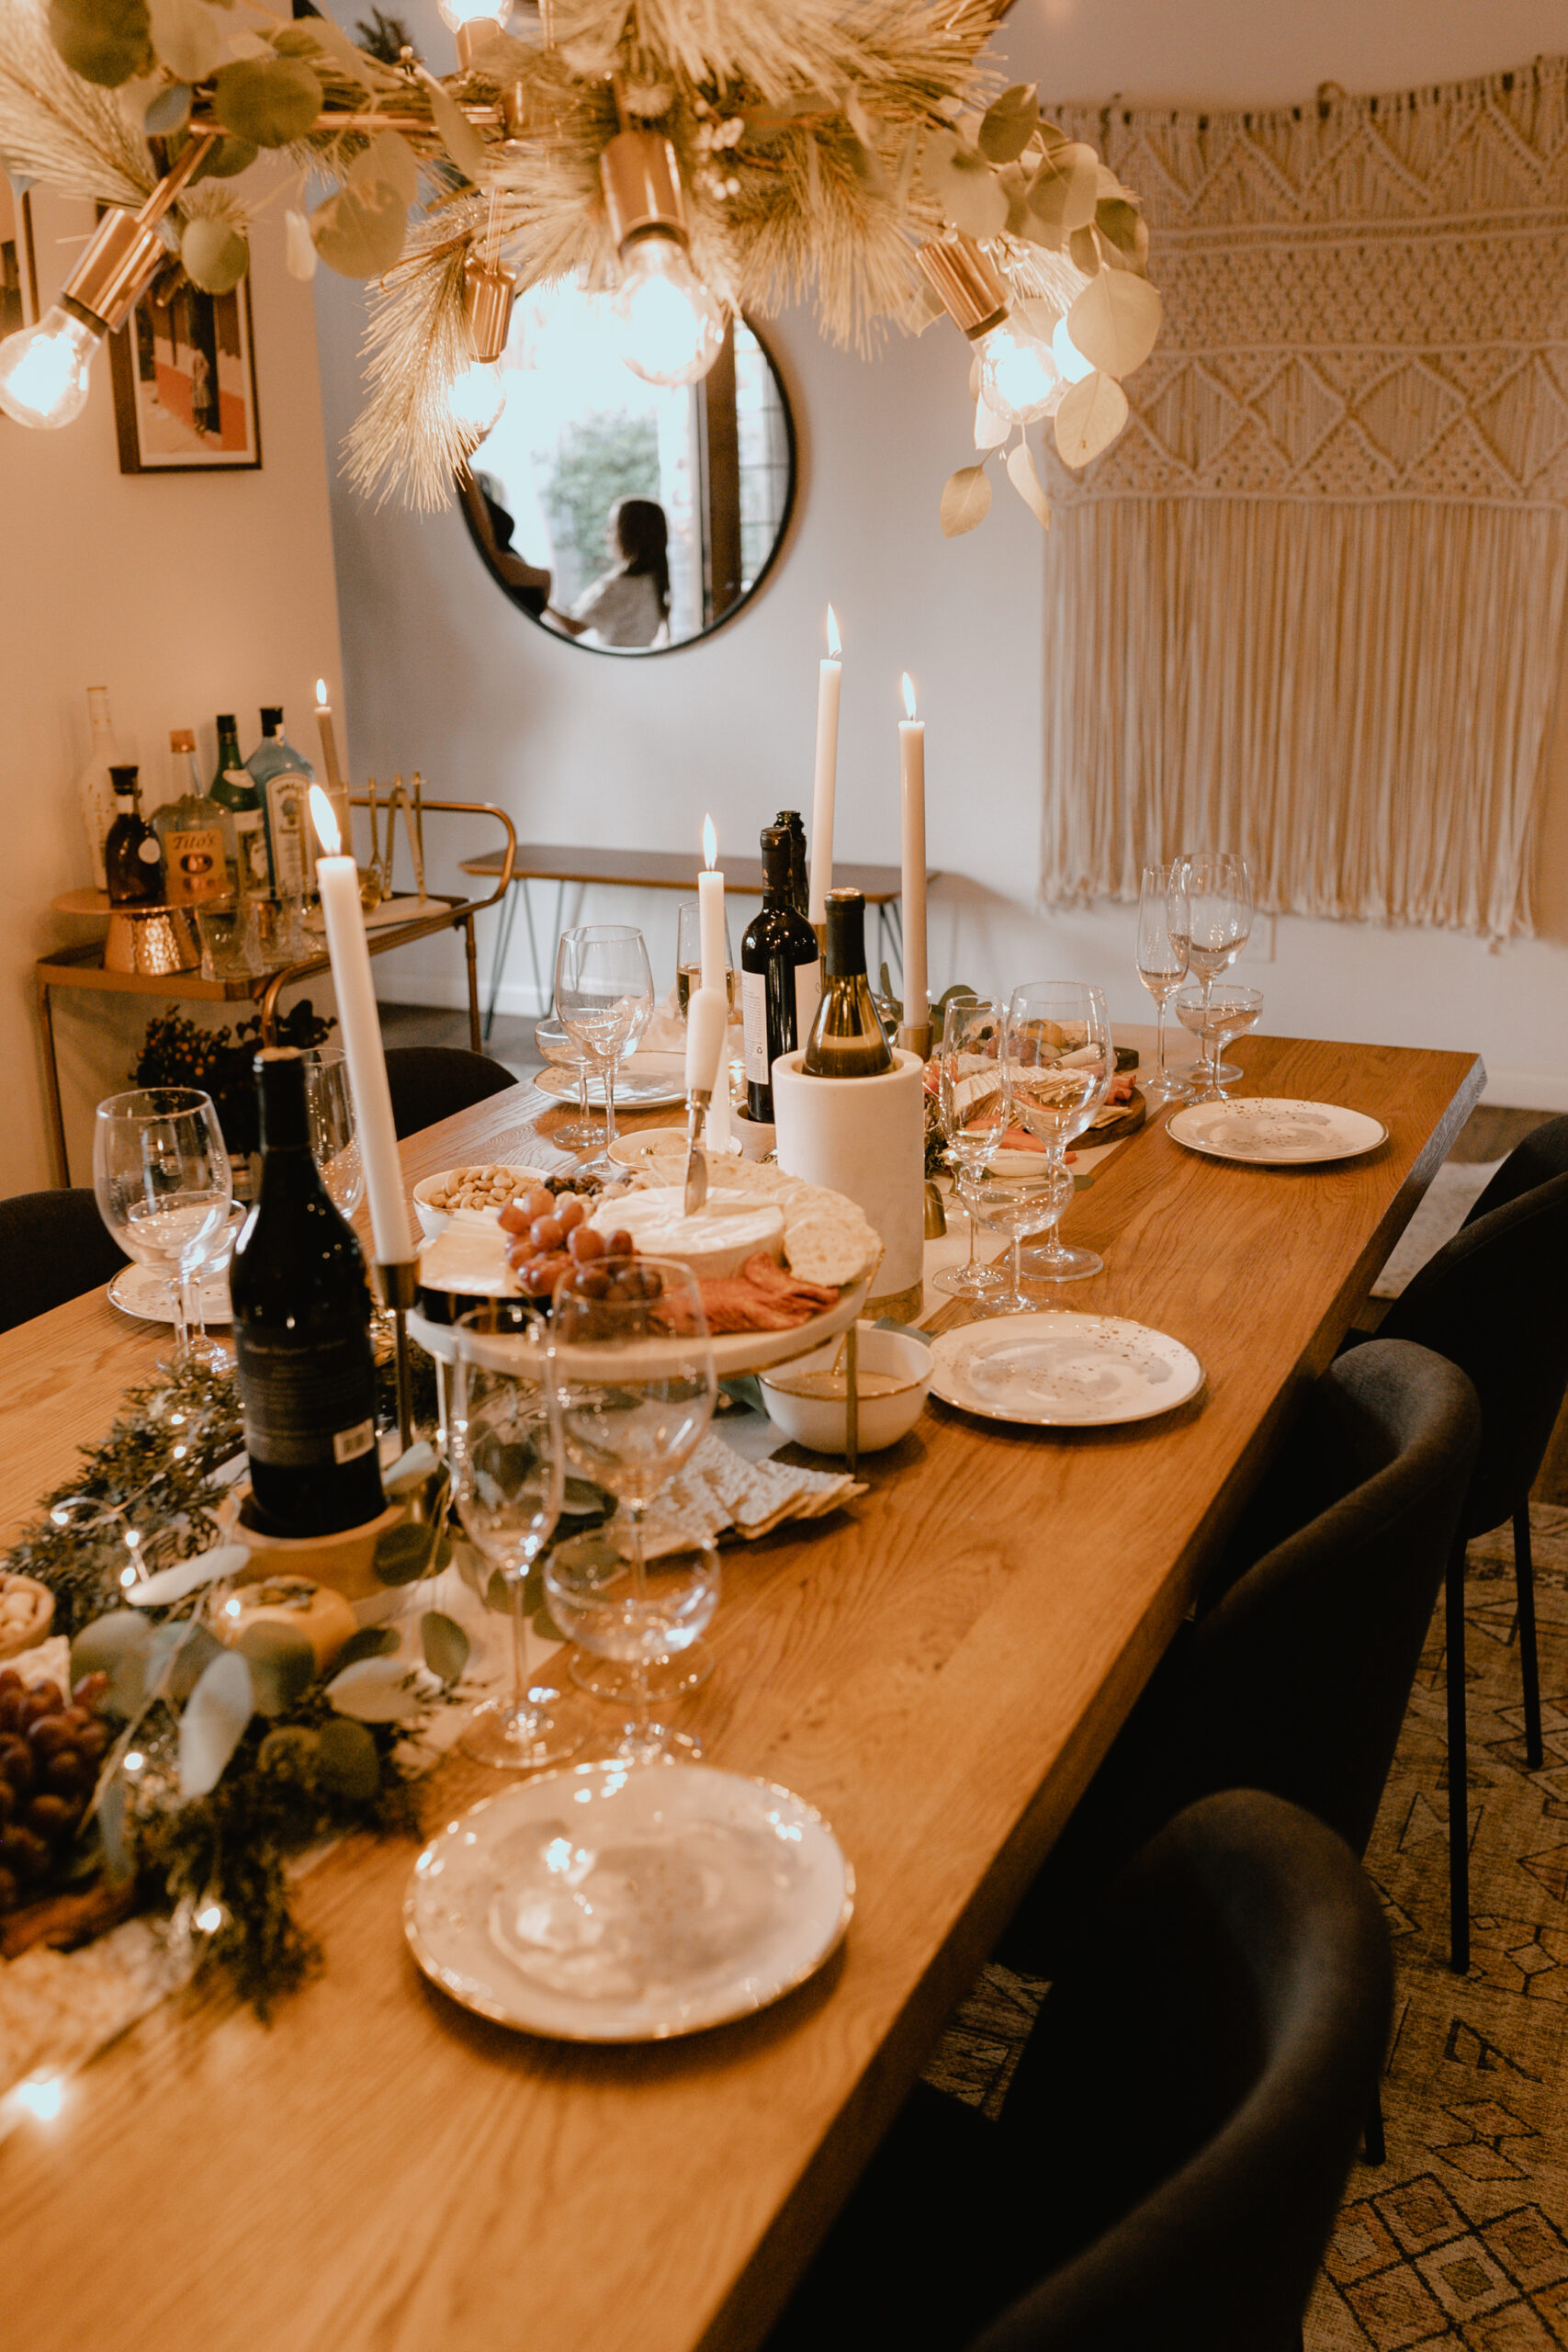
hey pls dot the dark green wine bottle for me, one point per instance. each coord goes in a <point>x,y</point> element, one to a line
<point>781,977</point>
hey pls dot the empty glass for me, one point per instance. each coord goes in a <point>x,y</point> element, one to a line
<point>1060,1062</point>
<point>162,1176</point>
<point>1164,937</point>
<point>604,999</point>
<point>972,1110</point>
<point>1216,1017</point>
<point>642,1613</point>
<point>334,1140</point>
<point>562,1052</point>
<point>1016,1205</point>
<point>1219,901</point>
<point>508,1478</point>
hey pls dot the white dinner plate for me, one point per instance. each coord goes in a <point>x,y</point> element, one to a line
<point>603,1904</point>
<point>1275,1131</point>
<point>139,1291</point>
<point>646,1083</point>
<point>1063,1369</point>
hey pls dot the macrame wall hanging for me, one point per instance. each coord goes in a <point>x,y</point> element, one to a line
<point>1311,604</point>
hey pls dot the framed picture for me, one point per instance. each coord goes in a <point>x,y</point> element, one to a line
<point>19,261</point>
<point>184,383</point>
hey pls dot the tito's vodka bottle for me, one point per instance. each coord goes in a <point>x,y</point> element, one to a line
<point>197,834</point>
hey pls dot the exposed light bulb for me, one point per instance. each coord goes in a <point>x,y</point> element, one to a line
<point>1018,374</point>
<point>670,327</point>
<point>1067,355</point>
<point>43,369</point>
<point>477,398</point>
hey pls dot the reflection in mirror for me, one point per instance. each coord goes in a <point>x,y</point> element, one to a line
<point>624,516</point>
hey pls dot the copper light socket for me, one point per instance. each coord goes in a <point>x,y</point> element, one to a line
<point>121,263</point>
<point>642,185</point>
<point>971,289</point>
<point>488,290</point>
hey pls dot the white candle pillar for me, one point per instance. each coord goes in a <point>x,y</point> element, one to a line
<point>829,677</point>
<point>913,793</point>
<point>715,975</point>
<point>360,1023</point>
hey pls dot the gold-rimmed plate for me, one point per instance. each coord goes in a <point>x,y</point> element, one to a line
<point>1276,1131</point>
<point>1063,1369</point>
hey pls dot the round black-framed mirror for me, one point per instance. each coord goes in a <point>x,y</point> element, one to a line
<point>625,517</point>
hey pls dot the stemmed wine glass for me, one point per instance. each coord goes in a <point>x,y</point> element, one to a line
<point>508,1480</point>
<point>334,1140</point>
<point>635,1376</point>
<point>554,1046</point>
<point>604,999</point>
<point>974,1106</point>
<point>1219,903</point>
<point>1060,1063</point>
<point>1013,1205</point>
<point>164,1184</point>
<point>689,957</point>
<point>1217,1019</point>
<point>1163,946</point>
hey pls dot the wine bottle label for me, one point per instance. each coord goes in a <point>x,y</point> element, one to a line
<point>286,809</point>
<point>754,1025</point>
<point>250,838</point>
<point>195,865</point>
<point>308,1396</point>
<point>807,997</point>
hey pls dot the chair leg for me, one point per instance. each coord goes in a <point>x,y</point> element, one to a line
<point>1374,2146</point>
<point>1529,1669</point>
<point>1458,1805</point>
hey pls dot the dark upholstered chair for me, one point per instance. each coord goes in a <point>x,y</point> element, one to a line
<point>1296,1672</point>
<point>430,1083</point>
<point>52,1246</point>
<point>1494,1300</point>
<point>1173,2146</point>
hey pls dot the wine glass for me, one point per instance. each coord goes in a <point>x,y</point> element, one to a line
<point>1013,1205</point>
<point>973,1107</point>
<point>1060,1063</point>
<point>635,1376</point>
<point>1219,902</point>
<point>604,999</point>
<point>641,1613</point>
<point>556,1047</point>
<point>1163,940</point>
<point>508,1479</point>
<point>689,956</point>
<point>334,1141</point>
<point>1217,1017</point>
<point>204,1349</point>
<point>164,1183</point>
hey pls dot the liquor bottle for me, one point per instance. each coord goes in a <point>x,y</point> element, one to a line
<point>847,1037</point>
<point>306,1376</point>
<point>196,832</point>
<point>780,975</point>
<point>133,863</point>
<point>94,789</point>
<point>800,878</point>
<point>235,788</point>
<point>283,776</point>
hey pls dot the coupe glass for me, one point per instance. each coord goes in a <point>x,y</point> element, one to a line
<point>642,1613</point>
<point>1219,901</point>
<point>1014,1205</point>
<point>1216,1016</point>
<point>1060,1063</point>
<point>604,1000</point>
<point>635,1375</point>
<point>508,1478</point>
<point>1164,937</point>
<point>973,1107</point>
<point>555,1047</point>
<point>689,957</point>
<point>334,1140</point>
<point>162,1176</point>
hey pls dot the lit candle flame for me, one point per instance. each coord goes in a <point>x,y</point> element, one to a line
<point>908,694</point>
<point>835,647</point>
<point>710,844</point>
<point>322,691</point>
<point>325,822</point>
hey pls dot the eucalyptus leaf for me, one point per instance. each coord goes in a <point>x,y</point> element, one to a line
<point>1064,191</point>
<point>181,1654</point>
<point>1092,413</point>
<point>215,256</point>
<point>547,1629</point>
<point>359,232</point>
<point>119,1644</point>
<point>111,1816</point>
<point>373,1691</point>
<point>1011,123</point>
<point>991,429</point>
<point>350,1763</point>
<point>965,501</point>
<point>168,111</point>
<point>497,1594</point>
<point>964,185</point>
<point>459,138</point>
<point>282,1664</point>
<point>226,160</point>
<point>1123,228</point>
<point>371,1641</point>
<point>243,44</point>
<point>402,1553</point>
<point>331,41</point>
<point>106,42</point>
<point>187,37</point>
<point>1083,250</point>
<point>389,157</point>
<point>298,247</point>
<point>1116,321</point>
<point>1027,482</point>
<point>188,1576</point>
<point>270,100</point>
<point>214,1722</point>
<point>444,1644</point>
<point>1038,315</point>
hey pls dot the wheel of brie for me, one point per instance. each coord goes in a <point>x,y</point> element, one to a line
<point>726,1231</point>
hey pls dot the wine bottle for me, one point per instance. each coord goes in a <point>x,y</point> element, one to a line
<point>93,787</point>
<point>133,863</point>
<point>284,777</point>
<point>235,788</point>
<point>847,1037</point>
<point>781,977</point>
<point>306,1376</point>
<point>800,878</point>
<point>196,832</point>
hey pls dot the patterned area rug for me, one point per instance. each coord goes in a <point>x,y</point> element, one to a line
<point>1460,2239</point>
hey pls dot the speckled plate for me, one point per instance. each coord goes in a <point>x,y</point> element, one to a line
<point>143,1292</point>
<point>1063,1371</point>
<point>1275,1131</point>
<point>603,1903</point>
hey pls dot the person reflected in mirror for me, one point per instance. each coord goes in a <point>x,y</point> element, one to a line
<point>493,526</point>
<point>629,606</point>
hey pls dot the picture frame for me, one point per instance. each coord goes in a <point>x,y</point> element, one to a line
<point>18,260</point>
<point>184,383</point>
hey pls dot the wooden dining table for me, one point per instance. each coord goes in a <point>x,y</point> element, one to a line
<point>939,1669</point>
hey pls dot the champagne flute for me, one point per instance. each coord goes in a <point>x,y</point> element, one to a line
<point>973,1107</point>
<point>1060,1063</point>
<point>164,1184</point>
<point>508,1480</point>
<point>334,1141</point>
<point>1217,1019</point>
<point>1164,938</point>
<point>604,1000</point>
<point>1219,901</point>
<point>689,957</point>
<point>635,1375</point>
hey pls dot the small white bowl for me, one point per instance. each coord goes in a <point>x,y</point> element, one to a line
<point>433,1220</point>
<point>648,1144</point>
<point>819,1423</point>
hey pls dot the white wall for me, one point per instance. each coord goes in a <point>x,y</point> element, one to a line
<point>185,596</point>
<point>443,675</point>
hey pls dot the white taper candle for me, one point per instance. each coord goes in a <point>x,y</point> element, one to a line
<point>830,675</point>
<point>337,879</point>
